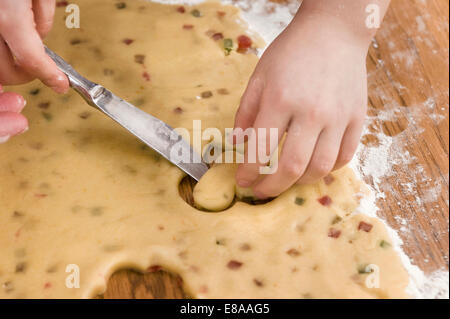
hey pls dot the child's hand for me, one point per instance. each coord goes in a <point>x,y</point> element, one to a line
<point>310,84</point>
<point>23,24</point>
<point>11,121</point>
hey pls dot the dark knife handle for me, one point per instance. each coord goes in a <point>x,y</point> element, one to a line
<point>87,89</point>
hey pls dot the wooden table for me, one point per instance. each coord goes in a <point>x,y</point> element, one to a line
<point>409,101</point>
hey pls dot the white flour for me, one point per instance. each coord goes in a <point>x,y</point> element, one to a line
<point>386,157</point>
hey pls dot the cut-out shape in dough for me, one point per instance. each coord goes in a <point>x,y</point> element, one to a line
<point>215,191</point>
<point>77,189</point>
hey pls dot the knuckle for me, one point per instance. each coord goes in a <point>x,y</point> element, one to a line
<point>293,170</point>
<point>279,99</point>
<point>28,61</point>
<point>13,75</point>
<point>45,28</point>
<point>282,97</point>
<point>254,83</point>
<point>4,20</point>
<point>315,114</point>
<point>323,166</point>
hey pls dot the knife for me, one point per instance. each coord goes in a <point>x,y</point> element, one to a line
<point>153,132</point>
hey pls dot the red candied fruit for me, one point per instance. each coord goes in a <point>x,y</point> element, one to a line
<point>325,200</point>
<point>60,4</point>
<point>244,43</point>
<point>127,41</point>
<point>334,233</point>
<point>146,76</point>
<point>365,227</point>
<point>233,264</point>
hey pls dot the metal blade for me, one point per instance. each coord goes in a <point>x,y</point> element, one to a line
<point>150,130</point>
<point>153,132</point>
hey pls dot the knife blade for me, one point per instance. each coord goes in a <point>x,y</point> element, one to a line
<point>153,132</point>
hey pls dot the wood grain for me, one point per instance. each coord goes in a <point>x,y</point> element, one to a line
<point>408,76</point>
<point>129,284</point>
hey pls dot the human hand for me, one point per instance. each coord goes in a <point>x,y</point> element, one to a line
<point>23,25</point>
<point>311,84</point>
<point>11,121</point>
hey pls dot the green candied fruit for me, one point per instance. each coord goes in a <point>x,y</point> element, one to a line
<point>47,116</point>
<point>121,5</point>
<point>220,242</point>
<point>35,92</point>
<point>196,13</point>
<point>336,220</point>
<point>299,201</point>
<point>228,46</point>
<point>363,269</point>
<point>384,244</point>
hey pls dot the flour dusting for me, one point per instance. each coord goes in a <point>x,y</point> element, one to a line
<point>381,156</point>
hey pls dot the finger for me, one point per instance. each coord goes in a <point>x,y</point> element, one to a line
<point>350,143</point>
<point>324,155</point>
<point>12,124</point>
<point>261,144</point>
<point>11,102</point>
<point>44,11</point>
<point>10,73</point>
<point>295,156</point>
<point>248,109</point>
<point>28,49</point>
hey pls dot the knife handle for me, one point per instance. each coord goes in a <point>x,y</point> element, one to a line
<point>88,90</point>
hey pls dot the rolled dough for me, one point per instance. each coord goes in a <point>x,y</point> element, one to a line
<point>79,190</point>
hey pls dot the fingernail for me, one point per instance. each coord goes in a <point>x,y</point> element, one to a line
<point>59,85</point>
<point>60,90</point>
<point>4,139</point>
<point>22,101</point>
<point>25,130</point>
<point>244,183</point>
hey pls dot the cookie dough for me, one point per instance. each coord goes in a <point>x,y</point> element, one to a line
<point>81,196</point>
